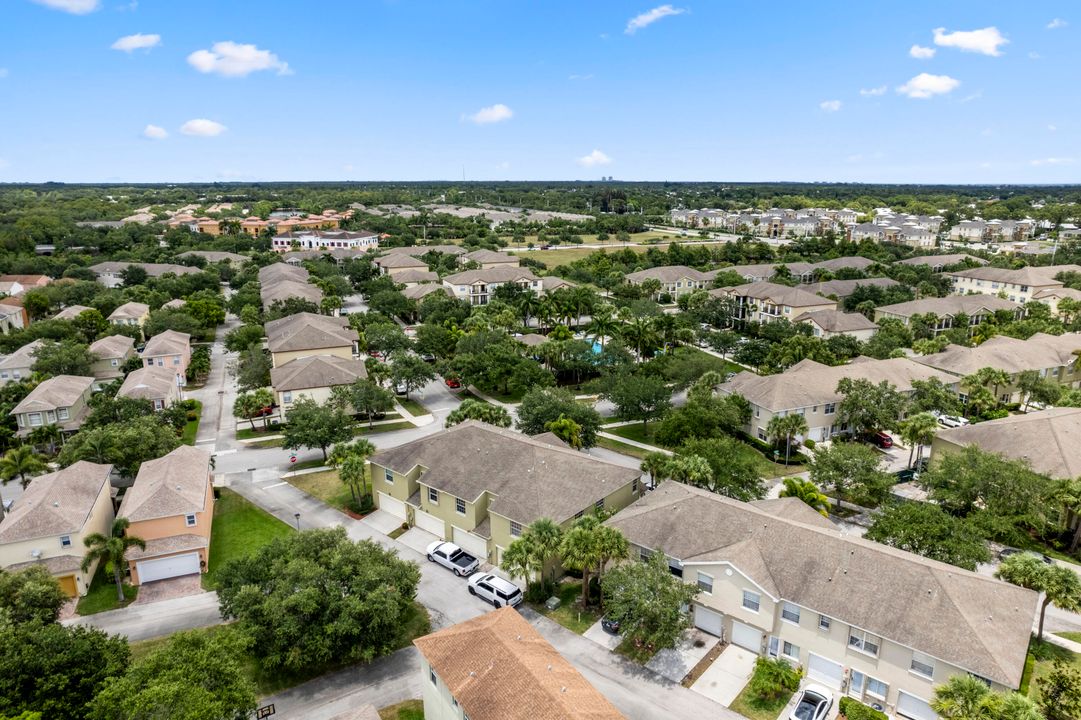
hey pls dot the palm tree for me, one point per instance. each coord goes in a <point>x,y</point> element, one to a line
<point>244,408</point>
<point>545,537</point>
<point>580,551</point>
<point>262,398</point>
<point>45,435</point>
<point>808,492</point>
<point>917,431</point>
<point>961,698</point>
<point>351,460</point>
<point>656,464</point>
<point>1068,494</point>
<point>20,462</point>
<point>611,545</point>
<point>639,332</point>
<point>529,305</point>
<point>112,549</point>
<point>787,427</point>
<point>520,560</point>
<point>603,325</point>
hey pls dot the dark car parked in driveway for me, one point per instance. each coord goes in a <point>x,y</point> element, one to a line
<point>610,625</point>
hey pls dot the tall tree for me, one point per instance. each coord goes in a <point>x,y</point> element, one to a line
<point>868,407</point>
<point>566,430</point>
<point>648,601</point>
<point>479,410</point>
<point>113,550</point>
<point>20,462</point>
<point>928,530</point>
<point>917,431</point>
<point>364,397</point>
<point>638,397</point>
<point>312,425</point>
<point>31,594</point>
<point>853,470</point>
<point>807,492</point>
<point>786,427</point>
<point>410,372</point>
<point>1060,586</point>
<point>541,406</point>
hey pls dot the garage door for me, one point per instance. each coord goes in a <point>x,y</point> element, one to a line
<point>67,584</point>
<point>167,567</point>
<point>709,620</point>
<point>825,671</point>
<point>910,706</point>
<point>392,505</point>
<point>472,544</point>
<point>429,522</point>
<point>747,637</point>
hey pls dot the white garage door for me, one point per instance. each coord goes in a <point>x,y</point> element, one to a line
<point>747,637</point>
<point>910,706</point>
<point>472,544</point>
<point>825,671</point>
<point>709,620</point>
<point>429,522</point>
<point>392,505</point>
<point>167,567</point>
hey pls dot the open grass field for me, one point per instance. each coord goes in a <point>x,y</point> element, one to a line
<point>239,529</point>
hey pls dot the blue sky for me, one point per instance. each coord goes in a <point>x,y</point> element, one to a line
<point>402,90</point>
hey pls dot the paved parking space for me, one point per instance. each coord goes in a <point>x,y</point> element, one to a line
<point>605,639</point>
<point>727,676</point>
<point>177,587</point>
<point>417,539</point>
<point>675,663</point>
<point>383,522</point>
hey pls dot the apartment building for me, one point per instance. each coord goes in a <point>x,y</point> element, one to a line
<point>830,323</point>
<point>976,308</point>
<point>675,280</point>
<point>477,286</point>
<point>110,273</point>
<point>764,302</point>
<point>938,263</point>
<point>488,259</point>
<point>841,289</point>
<point>314,239</point>
<point>1016,285</point>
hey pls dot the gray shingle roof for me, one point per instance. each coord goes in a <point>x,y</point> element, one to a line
<point>56,504</point>
<point>70,312</point>
<point>489,256</point>
<point>277,272</point>
<point>774,293</point>
<point>112,346</point>
<point>1006,353</point>
<point>949,306</point>
<point>837,321</point>
<point>941,260</point>
<point>271,292</point>
<point>668,274</point>
<point>174,484</point>
<point>56,392</point>
<point>308,331</point>
<point>169,342</point>
<point>316,371</point>
<point>418,292</point>
<point>499,274</point>
<point>21,358</point>
<point>400,260</point>
<point>416,276</point>
<point>843,288</point>
<point>129,311</point>
<point>1050,440</point>
<point>971,621</point>
<point>149,383</point>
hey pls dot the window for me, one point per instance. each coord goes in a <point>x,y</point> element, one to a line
<point>830,408</point>
<point>159,404</point>
<point>599,505</point>
<point>790,613</point>
<point>114,362</point>
<point>705,582</point>
<point>432,677</point>
<point>863,641</point>
<point>579,514</point>
<point>65,541</point>
<point>922,665</point>
<point>790,651</point>
<point>161,362</point>
<point>62,413</point>
<point>150,362</point>
<point>50,415</point>
<point>433,495</point>
<point>459,505</point>
<point>643,554</point>
<point>634,486</point>
<point>877,688</point>
<point>189,520</point>
<point>752,600</point>
<point>287,397</point>
<point>823,622</point>
<point>388,475</point>
<point>515,528</point>
<point>35,419</point>
<point>176,359</point>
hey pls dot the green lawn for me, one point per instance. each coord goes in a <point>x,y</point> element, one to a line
<point>755,709</point>
<point>467,395</point>
<point>408,710</point>
<point>765,467</point>
<point>102,594</point>
<point>239,529</point>
<point>259,431</point>
<point>412,406</point>
<point>506,397</point>
<point>1075,636</point>
<point>635,432</point>
<point>363,429</point>
<point>318,462</point>
<point>570,614</point>
<point>191,428</point>
<point>1041,657</point>
<point>621,447</point>
<point>277,442</point>
<point>326,486</point>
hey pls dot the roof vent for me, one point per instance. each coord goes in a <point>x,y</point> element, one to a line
<point>178,488</point>
<point>56,503</point>
<point>563,689</point>
<point>549,667</point>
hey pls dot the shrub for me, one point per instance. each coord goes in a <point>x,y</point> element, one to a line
<point>855,710</point>
<point>773,678</point>
<point>809,443</point>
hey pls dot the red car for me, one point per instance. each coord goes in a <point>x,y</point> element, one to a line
<point>454,384</point>
<point>882,440</point>
<point>375,354</point>
<point>264,411</point>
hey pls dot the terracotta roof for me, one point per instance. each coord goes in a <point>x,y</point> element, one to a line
<point>974,622</point>
<point>58,503</point>
<point>56,392</point>
<point>308,331</point>
<point>316,371</point>
<point>129,310</point>
<point>174,484</point>
<point>169,342</point>
<point>498,667</point>
<point>149,383</point>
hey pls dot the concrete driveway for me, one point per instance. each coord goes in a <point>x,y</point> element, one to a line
<point>382,522</point>
<point>675,663</point>
<point>177,587</point>
<point>727,676</point>
<point>598,635</point>
<point>416,539</point>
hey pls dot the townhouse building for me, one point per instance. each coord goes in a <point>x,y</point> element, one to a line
<point>63,401</point>
<point>171,350</point>
<point>305,334</point>
<point>764,302</point>
<point>938,263</point>
<point>478,286</point>
<point>830,323</point>
<point>130,314</point>
<point>110,354</point>
<point>110,273</point>
<point>488,259</point>
<point>157,384</point>
<point>17,366</point>
<point>313,377</point>
<point>675,280</point>
<point>977,308</point>
<point>841,289</point>
<point>1016,285</point>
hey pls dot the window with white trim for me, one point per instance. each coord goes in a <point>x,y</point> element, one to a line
<point>189,520</point>
<point>877,688</point>
<point>515,528</point>
<point>62,413</point>
<point>65,541</point>
<point>388,475</point>
<point>433,495</point>
<point>922,665</point>
<point>459,505</point>
<point>752,600</point>
<point>432,677</point>
<point>824,622</point>
<point>790,613</point>
<point>705,582</point>
<point>287,397</point>
<point>863,641</point>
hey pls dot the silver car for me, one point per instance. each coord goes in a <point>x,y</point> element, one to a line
<point>495,590</point>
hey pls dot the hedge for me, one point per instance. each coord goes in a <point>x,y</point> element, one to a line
<point>855,710</point>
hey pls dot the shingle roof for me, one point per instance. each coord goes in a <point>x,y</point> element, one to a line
<point>316,371</point>
<point>129,310</point>
<point>425,249</point>
<point>420,291</point>
<point>112,346</point>
<point>529,479</point>
<point>271,292</point>
<point>949,306</point>
<point>416,276</point>
<point>1006,353</point>
<point>308,331</point>
<point>551,283</point>
<point>971,621</point>
<point>277,272</point>
<point>152,269</point>
<point>214,255</point>
<point>56,392</point>
<point>489,256</point>
<point>941,260</point>
<point>56,504</point>
<point>1050,440</point>
<point>169,545</point>
<point>174,484</point>
<point>168,342</point>
<point>149,383</point>
<point>532,339</point>
<point>843,288</point>
<point>70,312</point>
<point>498,274</point>
<point>498,667</point>
<point>1031,276</point>
<point>21,358</point>
<point>774,293</point>
<point>837,321</point>
<point>667,274</point>
<point>400,260</point>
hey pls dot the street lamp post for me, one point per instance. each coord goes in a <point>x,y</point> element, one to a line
<point>297,516</point>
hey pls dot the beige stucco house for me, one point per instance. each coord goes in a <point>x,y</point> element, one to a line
<point>171,507</point>
<point>675,280</point>
<point>71,312</point>
<point>1017,285</point>
<point>170,350</point>
<point>156,384</point>
<point>17,366</point>
<point>764,302</point>
<point>976,308</point>
<point>130,314</point>
<point>498,667</point>
<point>394,263</point>
<point>830,323</point>
<point>478,286</point>
<point>488,259</point>
<point>110,353</point>
<point>869,621</point>
<point>305,334</point>
<point>62,400</point>
<point>479,486</point>
<point>49,523</point>
<point>313,377</point>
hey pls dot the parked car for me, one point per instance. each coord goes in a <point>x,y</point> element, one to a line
<point>907,475</point>
<point>1007,551</point>
<point>495,590</point>
<point>400,389</point>
<point>453,558</point>
<point>375,354</point>
<point>814,703</point>
<point>880,439</point>
<point>264,411</point>
<point>952,421</point>
<point>453,384</point>
<point>427,357</point>
<point>610,625</point>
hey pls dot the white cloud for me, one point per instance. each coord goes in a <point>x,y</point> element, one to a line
<point>155,132</point>
<point>1053,161</point>
<point>830,105</point>
<point>491,114</point>
<point>921,53</point>
<point>75,7</point>
<point>581,77</point>
<point>1034,55</point>
<point>138,41</point>
<point>1056,24</point>
<point>969,98</point>
<point>232,59</point>
<point>594,159</point>
<point>201,127</point>
<point>926,85</point>
<point>3,72</point>
<point>985,41</point>
<point>874,92</point>
<point>649,17</point>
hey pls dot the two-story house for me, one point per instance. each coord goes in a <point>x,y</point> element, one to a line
<point>830,323</point>
<point>171,507</point>
<point>110,354</point>
<point>869,621</point>
<point>156,384</point>
<point>488,259</point>
<point>70,312</point>
<point>306,334</point>
<point>111,273</point>
<point>479,486</point>
<point>675,280</point>
<point>394,263</point>
<point>62,400</point>
<point>1016,285</point>
<point>169,349</point>
<point>763,302</point>
<point>49,522</point>
<point>130,314</point>
<point>499,667</point>
<point>17,366</point>
<point>478,286</point>
<point>313,377</point>
<point>976,308</point>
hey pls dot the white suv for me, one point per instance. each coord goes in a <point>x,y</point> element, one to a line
<point>494,589</point>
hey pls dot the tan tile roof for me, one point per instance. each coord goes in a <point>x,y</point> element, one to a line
<point>1006,353</point>
<point>129,310</point>
<point>499,274</point>
<point>112,346</point>
<point>949,306</point>
<point>308,331</point>
<point>21,358</point>
<point>667,274</point>
<point>149,383</point>
<point>418,292</point>
<point>56,504</point>
<point>56,392</point>
<point>316,371</point>
<point>551,283</point>
<point>529,479</point>
<point>416,276</point>
<point>282,271</point>
<point>498,667</point>
<point>490,256</point>
<point>70,312</point>
<point>1049,440</point>
<point>968,620</point>
<point>399,260</point>
<point>941,260</point>
<point>174,484</point>
<point>169,342</point>
<point>55,565</point>
<point>773,293</point>
<point>837,321</point>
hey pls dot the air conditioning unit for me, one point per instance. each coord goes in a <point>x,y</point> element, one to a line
<point>36,554</point>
